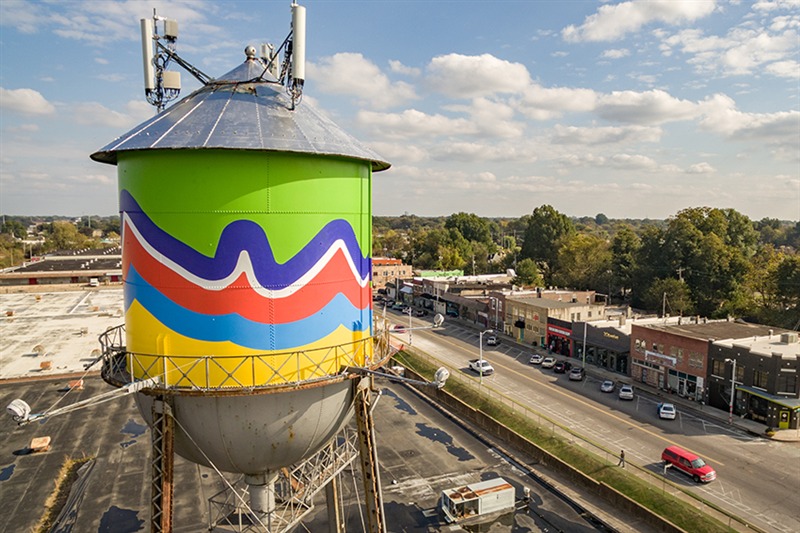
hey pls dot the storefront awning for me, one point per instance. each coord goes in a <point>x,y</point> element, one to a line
<point>406,290</point>
<point>783,401</point>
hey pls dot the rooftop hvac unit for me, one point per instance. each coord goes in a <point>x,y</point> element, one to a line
<point>788,338</point>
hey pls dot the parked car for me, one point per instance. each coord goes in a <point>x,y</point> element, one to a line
<point>666,411</point>
<point>626,392</point>
<point>607,386</point>
<point>399,328</point>
<point>549,362</point>
<point>420,312</point>
<point>577,373</point>
<point>536,359</point>
<point>452,313</point>
<point>397,306</point>
<point>481,366</point>
<point>688,463</point>
<point>492,341</point>
<point>562,367</point>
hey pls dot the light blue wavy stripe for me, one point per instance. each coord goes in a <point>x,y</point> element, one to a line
<point>241,331</point>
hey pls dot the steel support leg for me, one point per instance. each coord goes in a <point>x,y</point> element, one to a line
<point>335,522</point>
<point>162,462</point>
<point>368,453</point>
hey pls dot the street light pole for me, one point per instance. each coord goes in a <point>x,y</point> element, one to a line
<point>733,389</point>
<point>480,352</point>
<point>409,325</point>
<point>583,350</point>
<point>496,301</point>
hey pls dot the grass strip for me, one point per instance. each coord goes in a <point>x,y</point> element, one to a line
<point>67,475</point>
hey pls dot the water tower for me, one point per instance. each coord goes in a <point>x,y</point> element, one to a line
<point>247,234</point>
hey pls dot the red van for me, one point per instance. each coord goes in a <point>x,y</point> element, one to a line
<point>688,463</point>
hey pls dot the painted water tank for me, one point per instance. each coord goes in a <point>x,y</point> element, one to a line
<point>247,235</point>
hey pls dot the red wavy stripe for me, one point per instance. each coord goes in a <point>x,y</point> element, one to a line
<point>239,297</point>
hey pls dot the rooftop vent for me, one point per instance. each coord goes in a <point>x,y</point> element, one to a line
<point>788,338</point>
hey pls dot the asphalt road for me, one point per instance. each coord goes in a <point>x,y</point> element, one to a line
<point>758,478</point>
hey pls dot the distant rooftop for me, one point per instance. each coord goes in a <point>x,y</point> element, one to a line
<point>716,329</point>
<point>768,345</point>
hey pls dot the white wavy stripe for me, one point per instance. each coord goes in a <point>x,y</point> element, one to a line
<point>244,265</point>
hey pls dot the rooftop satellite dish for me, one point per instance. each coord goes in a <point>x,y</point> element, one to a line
<point>19,410</point>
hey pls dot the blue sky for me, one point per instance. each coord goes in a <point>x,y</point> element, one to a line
<point>631,109</point>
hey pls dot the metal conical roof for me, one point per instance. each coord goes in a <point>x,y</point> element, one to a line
<point>236,113</point>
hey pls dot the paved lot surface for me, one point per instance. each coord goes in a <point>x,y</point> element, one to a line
<point>56,328</point>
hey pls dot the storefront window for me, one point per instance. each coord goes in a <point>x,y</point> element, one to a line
<point>760,379</point>
<point>787,383</point>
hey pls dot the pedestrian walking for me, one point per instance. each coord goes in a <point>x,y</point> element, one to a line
<point>621,459</point>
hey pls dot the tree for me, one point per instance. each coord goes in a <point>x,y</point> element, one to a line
<point>471,227</point>
<point>787,280</point>
<point>583,262</point>
<point>14,228</point>
<point>65,236</point>
<point>669,294</point>
<point>528,274</point>
<point>545,230</point>
<point>624,249</point>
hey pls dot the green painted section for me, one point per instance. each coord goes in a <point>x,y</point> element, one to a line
<point>194,194</point>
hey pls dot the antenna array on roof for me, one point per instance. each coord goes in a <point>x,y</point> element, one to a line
<point>158,51</point>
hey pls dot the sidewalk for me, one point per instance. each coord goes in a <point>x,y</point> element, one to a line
<point>750,426</point>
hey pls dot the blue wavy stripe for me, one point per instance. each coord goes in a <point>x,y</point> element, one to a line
<point>238,330</point>
<point>246,235</point>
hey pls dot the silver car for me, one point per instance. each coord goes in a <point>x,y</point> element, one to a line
<point>626,392</point>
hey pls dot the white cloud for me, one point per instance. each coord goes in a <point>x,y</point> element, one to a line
<point>632,162</point>
<point>646,108</point>
<point>542,103</point>
<point>741,52</point>
<point>616,53</point>
<point>22,15</point>
<point>470,152</point>
<point>492,118</point>
<point>25,102</point>
<point>354,75</point>
<point>784,69</point>
<point>400,68</point>
<point>604,135</point>
<point>412,123</point>
<point>700,168</point>
<point>721,116</point>
<point>772,5</point>
<point>460,76</point>
<point>95,114</point>
<point>614,21</point>
<point>100,179</point>
<point>401,151</point>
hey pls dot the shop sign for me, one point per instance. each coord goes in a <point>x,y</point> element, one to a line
<point>660,358</point>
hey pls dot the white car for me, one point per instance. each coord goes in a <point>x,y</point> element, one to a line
<point>549,362</point>
<point>607,386</point>
<point>536,359</point>
<point>481,366</point>
<point>667,411</point>
<point>626,392</point>
<point>492,341</point>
